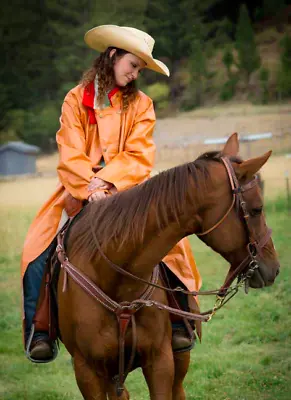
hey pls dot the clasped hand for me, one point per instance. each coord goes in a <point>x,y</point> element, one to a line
<point>98,183</point>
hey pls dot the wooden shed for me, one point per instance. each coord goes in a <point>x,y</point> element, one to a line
<point>18,158</point>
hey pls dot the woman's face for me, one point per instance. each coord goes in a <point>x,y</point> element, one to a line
<point>127,68</point>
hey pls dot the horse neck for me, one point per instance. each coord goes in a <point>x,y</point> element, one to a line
<point>157,242</point>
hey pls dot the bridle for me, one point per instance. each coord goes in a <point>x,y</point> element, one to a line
<point>254,246</point>
<point>125,311</point>
<point>244,271</point>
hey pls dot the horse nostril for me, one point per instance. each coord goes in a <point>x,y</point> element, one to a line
<point>278,272</point>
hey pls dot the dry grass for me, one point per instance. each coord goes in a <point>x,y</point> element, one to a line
<point>35,191</point>
<point>28,192</point>
<point>47,164</point>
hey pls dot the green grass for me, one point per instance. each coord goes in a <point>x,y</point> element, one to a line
<point>245,353</point>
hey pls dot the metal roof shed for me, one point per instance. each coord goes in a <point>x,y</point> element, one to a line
<point>18,158</point>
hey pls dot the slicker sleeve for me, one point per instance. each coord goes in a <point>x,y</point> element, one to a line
<point>75,167</point>
<point>135,163</point>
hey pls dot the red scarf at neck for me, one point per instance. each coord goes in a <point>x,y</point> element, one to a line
<point>88,100</point>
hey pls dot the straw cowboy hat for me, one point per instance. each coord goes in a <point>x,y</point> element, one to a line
<point>132,40</point>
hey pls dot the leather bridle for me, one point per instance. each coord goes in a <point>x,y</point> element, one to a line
<point>125,311</point>
<point>254,247</point>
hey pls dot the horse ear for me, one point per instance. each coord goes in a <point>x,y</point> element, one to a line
<point>231,146</point>
<point>247,169</point>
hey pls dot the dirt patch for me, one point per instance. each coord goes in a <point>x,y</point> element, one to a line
<point>188,131</point>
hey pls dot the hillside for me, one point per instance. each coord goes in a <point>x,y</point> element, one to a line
<point>268,44</point>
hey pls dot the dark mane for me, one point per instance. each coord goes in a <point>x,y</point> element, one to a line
<point>124,215</point>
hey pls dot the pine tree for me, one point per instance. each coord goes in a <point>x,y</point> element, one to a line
<point>264,77</point>
<point>228,60</point>
<point>26,61</point>
<point>284,76</point>
<point>228,88</point>
<point>248,56</point>
<point>272,7</point>
<point>175,27</point>
<point>197,66</point>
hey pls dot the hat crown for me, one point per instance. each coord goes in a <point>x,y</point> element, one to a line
<point>132,40</point>
<point>145,37</point>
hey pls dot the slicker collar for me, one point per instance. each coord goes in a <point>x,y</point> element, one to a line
<point>89,100</point>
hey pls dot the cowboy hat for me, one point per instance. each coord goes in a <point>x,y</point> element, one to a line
<point>132,40</point>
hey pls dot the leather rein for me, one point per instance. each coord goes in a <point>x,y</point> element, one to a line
<point>125,311</point>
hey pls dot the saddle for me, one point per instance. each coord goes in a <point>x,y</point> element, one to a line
<point>46,317</point>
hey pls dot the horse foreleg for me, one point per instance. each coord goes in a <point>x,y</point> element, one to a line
<point>181,361</point>
<point>91,386</point>
<point>158,371</point>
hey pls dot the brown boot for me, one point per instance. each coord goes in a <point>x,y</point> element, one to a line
<point>41,349</point>
<point>181,340</point>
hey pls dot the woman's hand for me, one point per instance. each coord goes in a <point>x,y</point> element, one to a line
<point>97,196</point>
<point>97,183</point>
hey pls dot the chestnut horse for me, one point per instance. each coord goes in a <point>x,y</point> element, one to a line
<point>136,229</point>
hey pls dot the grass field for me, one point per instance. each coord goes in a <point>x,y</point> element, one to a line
<point>245,353</point>
<point>246,349</point>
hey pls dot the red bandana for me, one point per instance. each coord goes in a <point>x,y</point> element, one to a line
<point>88,100</point>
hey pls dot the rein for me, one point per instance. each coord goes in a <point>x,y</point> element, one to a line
<point>226,292</point>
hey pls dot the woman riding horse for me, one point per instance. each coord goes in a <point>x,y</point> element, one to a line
<point>105,145</point>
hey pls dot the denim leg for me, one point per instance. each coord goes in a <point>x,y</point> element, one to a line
<point>181,298</point>
<point>32,283</point>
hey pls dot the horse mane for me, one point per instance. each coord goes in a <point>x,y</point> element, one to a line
<point>124,216</point>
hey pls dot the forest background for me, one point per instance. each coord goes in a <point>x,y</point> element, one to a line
<point>217,51</point>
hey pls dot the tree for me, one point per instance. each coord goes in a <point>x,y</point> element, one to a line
<point>284,75</point>
<point>197,66</point>
<point>175,29</point>
<point>228,60</point>
<point>272,7</point>
<point>264,77</point>
<point>26,61</point>
<point>248,56</point>
<point>228,88</point>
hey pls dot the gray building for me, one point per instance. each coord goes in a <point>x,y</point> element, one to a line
<point>17,158</point>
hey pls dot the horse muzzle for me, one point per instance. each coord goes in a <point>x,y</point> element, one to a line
<point>264,275</point>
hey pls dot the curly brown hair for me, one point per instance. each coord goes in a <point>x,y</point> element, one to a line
<point>103,67</point>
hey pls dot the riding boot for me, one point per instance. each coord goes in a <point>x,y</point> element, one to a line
<point>183,331</point>
<point>37,343</point>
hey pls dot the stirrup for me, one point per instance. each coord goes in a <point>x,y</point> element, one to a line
<point>191,338</point>
<point>55,349</point>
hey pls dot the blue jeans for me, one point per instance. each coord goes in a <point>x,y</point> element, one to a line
<point>31,285</point>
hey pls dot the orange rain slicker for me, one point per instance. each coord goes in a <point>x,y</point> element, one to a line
<point>125,142</point>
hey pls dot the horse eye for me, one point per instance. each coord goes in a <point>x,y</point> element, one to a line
<point>256,211</point>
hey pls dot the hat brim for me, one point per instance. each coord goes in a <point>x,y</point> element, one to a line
<point>104,36</point>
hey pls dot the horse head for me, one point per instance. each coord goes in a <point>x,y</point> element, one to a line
<point>233,220</point>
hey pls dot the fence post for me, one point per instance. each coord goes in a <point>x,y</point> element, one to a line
<point>288,191</point>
